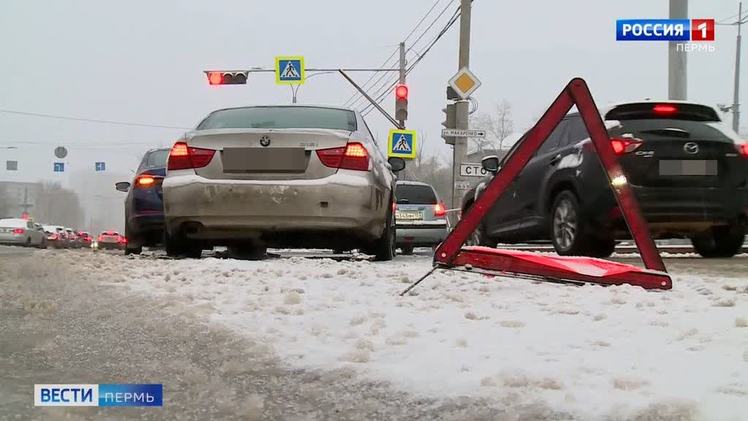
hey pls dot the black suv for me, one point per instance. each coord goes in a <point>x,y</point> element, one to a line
<point>688,170</point>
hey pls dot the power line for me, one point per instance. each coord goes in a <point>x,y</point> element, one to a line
<point>358,97</point>
<point>722,21</point>
<point>383,92</point>
<point>444,10</point>
<point>420,56</point>
<point>382,79</point>
<point>91,120</point>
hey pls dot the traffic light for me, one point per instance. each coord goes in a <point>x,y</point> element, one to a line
<point>401,102</point>
<point>226,78</point>
<point>450,112</point>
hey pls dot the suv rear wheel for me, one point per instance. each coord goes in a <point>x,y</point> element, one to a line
<point>721,241</point>
<point>568,230</point>
<point>479,236</point>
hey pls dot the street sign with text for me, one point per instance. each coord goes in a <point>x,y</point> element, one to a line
<point>472,170</point>
<point>481,134</point>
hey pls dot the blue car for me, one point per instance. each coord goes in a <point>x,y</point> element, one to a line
<point>144,206</point>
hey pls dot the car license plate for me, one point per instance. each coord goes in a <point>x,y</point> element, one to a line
<point>264,159</point>
<point>688,167</point>
<point>406,215</point>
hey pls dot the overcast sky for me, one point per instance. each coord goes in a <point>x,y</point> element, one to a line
<point>142,61</point>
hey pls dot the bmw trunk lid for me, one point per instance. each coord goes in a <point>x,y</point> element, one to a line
<point>267,154</point>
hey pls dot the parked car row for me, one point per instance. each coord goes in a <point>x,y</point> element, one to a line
<point>23,232</point>
<point>688,170</point>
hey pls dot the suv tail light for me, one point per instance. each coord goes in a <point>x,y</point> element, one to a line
<point>624,145</point>
<point>439,210</point>
<point>665,109</point>
<point>352,156</point>
<point>146,181</point>
<point>19,231</point>
<point>743,149</point>
<point>182,157</point>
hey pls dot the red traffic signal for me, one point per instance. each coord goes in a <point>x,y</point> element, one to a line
<point>401,92</point>
<point>227,78</point>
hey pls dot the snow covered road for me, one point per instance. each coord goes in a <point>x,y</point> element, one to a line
<point>532,350</point>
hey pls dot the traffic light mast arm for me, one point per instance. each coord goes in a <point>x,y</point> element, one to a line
<point>371,100</point>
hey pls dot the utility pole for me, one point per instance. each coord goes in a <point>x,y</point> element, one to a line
<point>402,73</point>
<point>736,91</point>
<point>677,56</point>
<point>459,184</point>
<point>26,206</point>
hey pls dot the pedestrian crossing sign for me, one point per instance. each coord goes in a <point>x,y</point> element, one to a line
<point>289,70</point>
<point>401,144</point>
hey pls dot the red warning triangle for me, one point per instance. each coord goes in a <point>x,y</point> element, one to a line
<point>451,254</point>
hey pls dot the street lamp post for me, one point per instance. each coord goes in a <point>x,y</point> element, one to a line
<point>295,90</point>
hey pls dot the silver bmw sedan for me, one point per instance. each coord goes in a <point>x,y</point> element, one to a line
<point>280,176</point>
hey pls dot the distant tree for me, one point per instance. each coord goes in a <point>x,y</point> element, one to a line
<point>498,126</point>
<point>57,205</point>
<point>4,202</point>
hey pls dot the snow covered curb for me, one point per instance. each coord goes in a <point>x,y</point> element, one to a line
<point>594,352</point>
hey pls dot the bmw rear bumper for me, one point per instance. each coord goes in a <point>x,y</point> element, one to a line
<point>345,203</point>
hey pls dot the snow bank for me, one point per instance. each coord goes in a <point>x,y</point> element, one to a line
<point>594,352</point>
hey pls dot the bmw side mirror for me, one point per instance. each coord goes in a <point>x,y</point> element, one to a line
<point>397,164</point>
<point>122,186</point>
<point>490,164</point>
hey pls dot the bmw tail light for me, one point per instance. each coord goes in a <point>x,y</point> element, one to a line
<point>331,157</point>
<point>352,156</point>
<point>624,145</point>
<point>182,157</point>
<point>19,231</point>
<point>356,157</point>
<point>439,210</point>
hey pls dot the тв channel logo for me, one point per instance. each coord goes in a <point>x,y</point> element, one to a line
<point>665,30</point>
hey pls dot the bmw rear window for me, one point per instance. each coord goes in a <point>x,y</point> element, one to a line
<point>281,118</point>
<point>415,194</point>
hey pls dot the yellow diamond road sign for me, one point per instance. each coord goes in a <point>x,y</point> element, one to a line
<point>464,83</point>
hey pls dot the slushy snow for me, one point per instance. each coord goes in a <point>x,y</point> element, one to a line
<point>594,352</point>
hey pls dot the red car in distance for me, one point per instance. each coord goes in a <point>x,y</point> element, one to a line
<point>85,239</point>
<point>111,240</point>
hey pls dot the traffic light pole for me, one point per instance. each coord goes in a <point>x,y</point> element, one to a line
<point>736,90</point>
<point>402,73</point>
<point>371,100</point>
<point>459,184</point>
